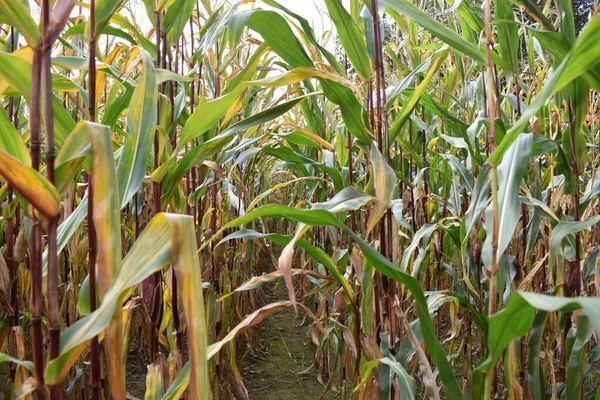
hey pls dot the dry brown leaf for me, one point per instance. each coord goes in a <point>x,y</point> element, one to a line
<point>597,275</point>
<point>426,371</point>
<point>20,247</point>
<point>316,321</point>
<point>251,320</point>
<point>4,277</point>
<point>524,285</point>
<point>357,260</point>
<point>285,266</point>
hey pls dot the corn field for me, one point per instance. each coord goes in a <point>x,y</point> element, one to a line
<point>420,179</point>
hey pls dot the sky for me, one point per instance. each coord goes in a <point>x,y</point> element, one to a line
<point>313,10</point>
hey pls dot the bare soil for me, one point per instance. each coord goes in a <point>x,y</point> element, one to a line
<point>283,369</point>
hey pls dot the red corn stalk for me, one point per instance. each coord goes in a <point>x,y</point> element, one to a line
<point>53,305</point>
<point>385,223</point>
<point>154,282</point>
<point>35,251</point>
<point>156,134</point>
<point>355,309</point>
<point>174,297</point>
<point>92,239</point>
<point>10,244</point>
<point>575,274</point>
<point>573,278</point>
<point>213,193</point>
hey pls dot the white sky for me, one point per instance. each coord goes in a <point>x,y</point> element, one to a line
<point>313,10</point>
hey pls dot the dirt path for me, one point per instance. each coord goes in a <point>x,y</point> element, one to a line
<point>283,370</point>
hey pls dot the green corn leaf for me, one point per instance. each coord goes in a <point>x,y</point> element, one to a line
<point>108,230</point>
<point>577,360</point>
<point>577,61</point>
<point>410,104</point>
<point>141,121</point>
<point>510,174</point>
<point>324,218</point>
<point>582,53</point>
<point>179,385</point>
<point>16,72</point>
<point>351,38</point>
<point>200,153</point>
<point>177,15</point>
<point>279,36</point>
<point>564,229</point>
<point>168,239</point>
<point>516,319</point>
<point>308,34</point>
<point>384,183</point>
<point>154,382</point>
<point>535,377</point>
<point>18,14</point>
<point>66,230</point>
<point>11,141</point>
<point>6,358</point>
<point>531,7</point>
<point>425,231</point>
<point>104,12</point>
<point>436,28</point>
<point>508,35</point>
<point>408,387</point>
<point>30,184</point>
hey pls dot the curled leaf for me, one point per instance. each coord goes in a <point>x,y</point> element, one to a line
<point>285,266</point>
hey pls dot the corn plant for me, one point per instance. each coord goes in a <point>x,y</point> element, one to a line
<point>422,179</point>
